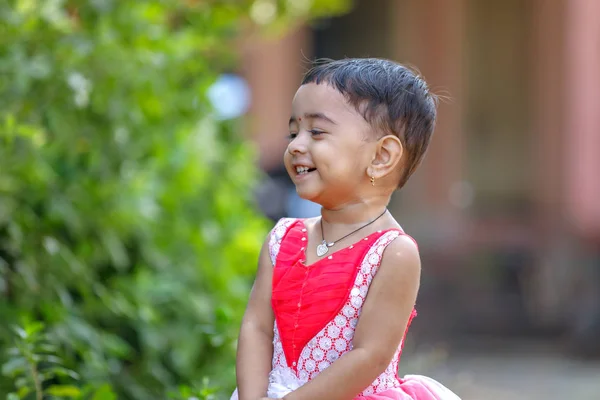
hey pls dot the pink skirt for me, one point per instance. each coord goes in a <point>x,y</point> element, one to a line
<point>412,387</point>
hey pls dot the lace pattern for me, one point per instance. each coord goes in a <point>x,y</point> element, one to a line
<point>277,234</point>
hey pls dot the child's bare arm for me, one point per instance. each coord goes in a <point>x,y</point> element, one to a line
<point>255,346</point>
<point>382,323</point>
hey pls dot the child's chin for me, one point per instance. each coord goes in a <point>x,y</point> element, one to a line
<point>306,193</point>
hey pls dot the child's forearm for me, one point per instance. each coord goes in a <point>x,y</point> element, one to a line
<point>255,351</point>
<point>344,379</point>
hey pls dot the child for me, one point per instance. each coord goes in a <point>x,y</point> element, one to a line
<point>334,295</point>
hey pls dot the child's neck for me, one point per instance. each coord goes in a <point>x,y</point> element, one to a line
<point>351,214</point>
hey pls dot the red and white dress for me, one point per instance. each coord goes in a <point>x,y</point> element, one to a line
<point>316,311</point>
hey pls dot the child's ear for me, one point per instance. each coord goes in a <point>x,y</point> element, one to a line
<point>387,156</point>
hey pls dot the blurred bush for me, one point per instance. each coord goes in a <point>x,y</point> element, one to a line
<point>34,366</point>
<point>126,220</point>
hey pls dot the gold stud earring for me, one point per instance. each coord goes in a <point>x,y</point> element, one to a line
<point>373,181</point>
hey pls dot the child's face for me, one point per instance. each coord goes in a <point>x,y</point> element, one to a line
<point>328,154</point>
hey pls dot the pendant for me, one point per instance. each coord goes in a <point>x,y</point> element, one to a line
<point>322,249</point>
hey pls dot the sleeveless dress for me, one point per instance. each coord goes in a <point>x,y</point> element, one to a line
<point>316,311</point>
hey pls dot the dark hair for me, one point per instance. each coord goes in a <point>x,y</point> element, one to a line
<point>392,98</point>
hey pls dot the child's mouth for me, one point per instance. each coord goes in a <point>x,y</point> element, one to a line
<point>304,170</point>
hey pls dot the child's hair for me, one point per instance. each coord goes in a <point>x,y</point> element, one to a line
<point>392,98</point>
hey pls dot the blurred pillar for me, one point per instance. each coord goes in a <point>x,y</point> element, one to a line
<point>546,294</point>
<point>548,100</point>
<point>433,32</point>
<point>273,68</point>
<point>566,149</point>
<point>582,149</point>
<point>582,128</point>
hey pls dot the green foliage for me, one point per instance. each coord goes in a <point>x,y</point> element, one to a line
<point>126,220</point>
<point>37,373</point>
<point>35,369</point>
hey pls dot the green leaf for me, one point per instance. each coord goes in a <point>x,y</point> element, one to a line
<point>13,351</point>
<point>64,391</point>
<point>14,366</point>
<point>48,348</point>
<point>24,391</point>
<point>58,371</point>
<point>23,381</point>
<point>22,333</point>
<point>104,393</point>
<point>33,328</point>
<point>50,359</point>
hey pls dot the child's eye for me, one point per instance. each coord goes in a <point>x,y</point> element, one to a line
<point>313,132</point>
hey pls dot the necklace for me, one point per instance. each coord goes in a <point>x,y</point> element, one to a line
<point>323,247</point>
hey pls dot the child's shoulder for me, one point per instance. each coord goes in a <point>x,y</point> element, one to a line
<point>285,223</point>
<point>281,228</point>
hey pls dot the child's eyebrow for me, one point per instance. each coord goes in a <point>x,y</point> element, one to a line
<point>315,115</point>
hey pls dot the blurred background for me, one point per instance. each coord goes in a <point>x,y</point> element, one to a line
<point>141,166</point>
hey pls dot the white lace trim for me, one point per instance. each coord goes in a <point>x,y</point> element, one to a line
<point>277,234</point>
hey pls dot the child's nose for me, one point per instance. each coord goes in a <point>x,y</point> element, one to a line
<point>299,144</point>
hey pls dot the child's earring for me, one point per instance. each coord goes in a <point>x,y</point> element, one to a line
<point>373,180</point>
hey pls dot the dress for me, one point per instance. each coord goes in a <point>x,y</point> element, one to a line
<point>316,311</point>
